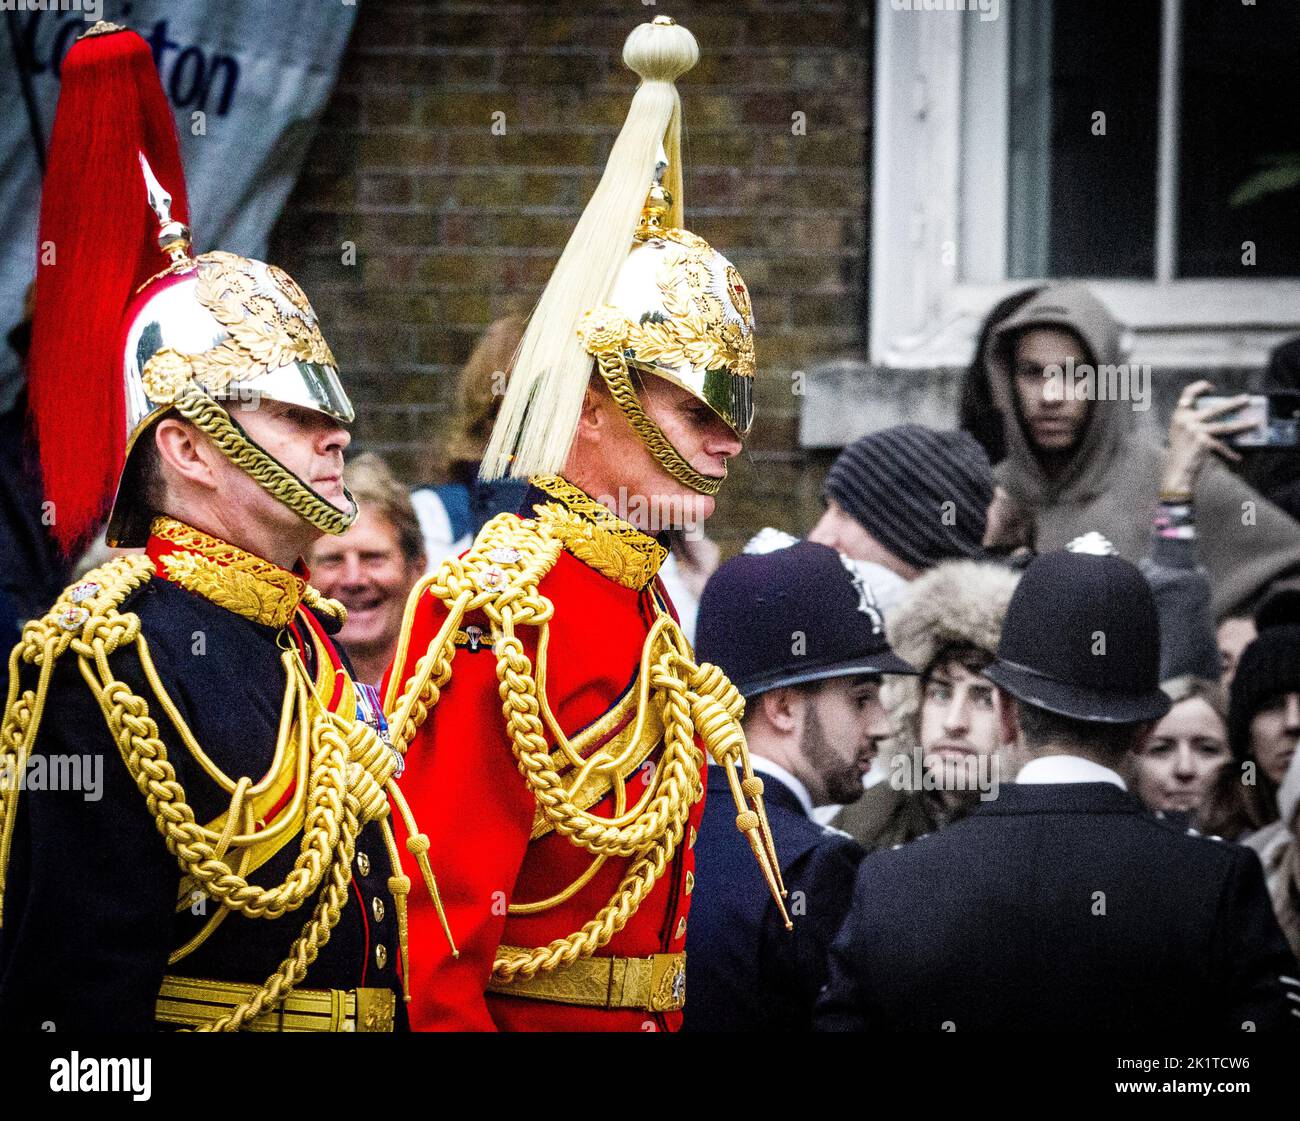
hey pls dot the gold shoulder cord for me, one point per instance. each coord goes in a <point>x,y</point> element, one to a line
<point>500,576</point>
<point>343,771</point>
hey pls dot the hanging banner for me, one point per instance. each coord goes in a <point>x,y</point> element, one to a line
<point>247,81</point>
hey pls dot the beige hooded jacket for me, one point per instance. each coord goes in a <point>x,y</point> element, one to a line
<point>1112,482</point>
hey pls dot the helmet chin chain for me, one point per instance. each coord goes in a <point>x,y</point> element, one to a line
<point>613,369</point>
<point>269,473</point>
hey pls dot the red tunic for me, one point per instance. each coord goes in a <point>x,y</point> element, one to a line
<point>468,795</point>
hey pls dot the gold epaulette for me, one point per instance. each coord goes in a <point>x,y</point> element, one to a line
<point>86,606</point>
<point>501,570</point>
<point>507,561</point>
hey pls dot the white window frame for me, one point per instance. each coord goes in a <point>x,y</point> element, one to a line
<point>938,253</point>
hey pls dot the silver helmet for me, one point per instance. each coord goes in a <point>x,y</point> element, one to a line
<point>211,330</point>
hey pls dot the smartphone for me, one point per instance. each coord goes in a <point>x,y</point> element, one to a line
<point>1276,417</point>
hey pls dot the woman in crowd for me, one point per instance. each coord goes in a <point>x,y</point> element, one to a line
<point>1279,852</point>
<point>1177,766</point>
<point>1264,716</point>
<point>1264,726</point>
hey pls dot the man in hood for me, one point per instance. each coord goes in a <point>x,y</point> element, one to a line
<point>1074,456</point>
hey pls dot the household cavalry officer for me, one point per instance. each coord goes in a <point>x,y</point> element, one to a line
<point>556,724</point>
<point>222,857</point>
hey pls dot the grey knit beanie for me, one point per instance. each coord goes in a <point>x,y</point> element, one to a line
<point>923,494</point>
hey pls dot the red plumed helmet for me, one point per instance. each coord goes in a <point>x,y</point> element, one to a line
<point>97,245</point>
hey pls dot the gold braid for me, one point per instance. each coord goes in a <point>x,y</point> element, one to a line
<point>273,477</point>
<point>344,770</point>
<point>499,576</point>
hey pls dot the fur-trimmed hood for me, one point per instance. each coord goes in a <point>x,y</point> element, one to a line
<point>955,602</point>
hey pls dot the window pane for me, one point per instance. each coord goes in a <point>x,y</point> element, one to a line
<point>1082,201</point>
<point>1241,116</point>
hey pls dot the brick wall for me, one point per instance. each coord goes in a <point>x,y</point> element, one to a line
<point>454,226</point>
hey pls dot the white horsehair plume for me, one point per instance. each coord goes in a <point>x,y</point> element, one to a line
<point>539,416</point>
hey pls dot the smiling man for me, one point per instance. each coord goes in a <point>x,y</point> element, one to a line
<point>233,871</point>
<point>562,752</point>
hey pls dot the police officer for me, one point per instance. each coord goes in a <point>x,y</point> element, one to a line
<point>801,636</point>
<point>1060,905</point>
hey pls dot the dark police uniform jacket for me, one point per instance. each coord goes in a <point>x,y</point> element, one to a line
<point>744,970</point>
<point>1061,907</point>
<point>90,907</point>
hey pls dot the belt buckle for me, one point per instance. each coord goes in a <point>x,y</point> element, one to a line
<point>667,983</point>
<point>376,1009</point>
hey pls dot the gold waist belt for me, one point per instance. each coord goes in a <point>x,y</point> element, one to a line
<point>653,984</point>
<point>191,1003</point>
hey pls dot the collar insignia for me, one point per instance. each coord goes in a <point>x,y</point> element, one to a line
<point>225,574</point>
<point>596,536</point>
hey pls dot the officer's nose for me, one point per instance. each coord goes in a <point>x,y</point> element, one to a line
<point>334,438</point>
<point>877,721</point>
<point>723,441</point>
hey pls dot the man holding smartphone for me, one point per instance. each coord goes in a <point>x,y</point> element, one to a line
<point>1080,464</point>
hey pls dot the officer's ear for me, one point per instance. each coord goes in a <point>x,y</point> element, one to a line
<point>185,453</point>
<point>782,708</point>
<point>594,402</point>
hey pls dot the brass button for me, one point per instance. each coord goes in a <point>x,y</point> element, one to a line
<point>691,843</point>
<point>363,864</point>
<point>381,956</point>
<point>377,905</point>
<point>681,927</point>
<point>690,882</point>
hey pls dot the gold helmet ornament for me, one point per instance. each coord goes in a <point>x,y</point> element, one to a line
<point>157,331</point>
<point>633,291</point>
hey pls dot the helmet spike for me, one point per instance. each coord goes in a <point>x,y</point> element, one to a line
<point>173,236</point>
